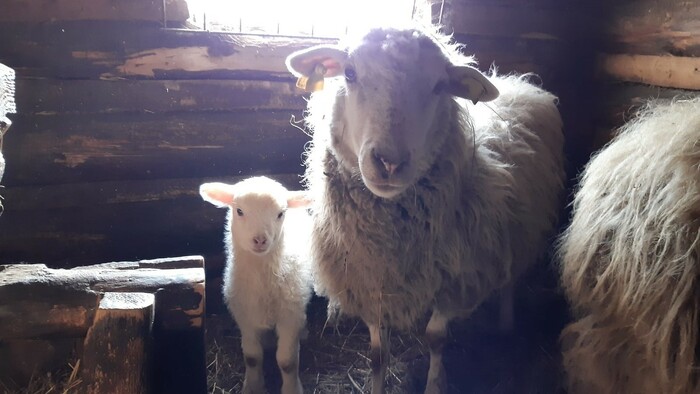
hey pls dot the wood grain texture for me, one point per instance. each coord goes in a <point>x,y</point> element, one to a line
<point>665,71</point>
<point>68,10</point>
<point>117,347</point>
<point>653,27</point>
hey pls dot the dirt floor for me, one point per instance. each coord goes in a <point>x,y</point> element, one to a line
<point>478,358</point>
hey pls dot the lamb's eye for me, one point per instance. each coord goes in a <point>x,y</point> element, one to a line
<point>239,212</point>
<point>280,215</point>
<point>350,74</point>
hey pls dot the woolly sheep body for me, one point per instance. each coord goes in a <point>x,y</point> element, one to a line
<point>630,259</point>
<point>483,202</point>
<point>269,288</point>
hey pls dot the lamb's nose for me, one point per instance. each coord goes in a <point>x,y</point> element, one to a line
<point>260,240</point>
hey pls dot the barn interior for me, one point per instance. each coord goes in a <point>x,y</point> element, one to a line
<point>123,108</point>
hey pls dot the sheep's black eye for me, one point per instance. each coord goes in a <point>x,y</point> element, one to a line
<point>239,212</point>
<point>350,74</point>
<point>280,215</point>
<point>440,87</point>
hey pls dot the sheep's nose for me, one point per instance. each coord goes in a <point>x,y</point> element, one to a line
<point>260,240</point>
<point>390,164</point>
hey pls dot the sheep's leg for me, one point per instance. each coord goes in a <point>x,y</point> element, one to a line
<point>436,336</point>
<point>253,382</point>
<point>378,356</point>
<point>288,332</point>
<point>506,313</point>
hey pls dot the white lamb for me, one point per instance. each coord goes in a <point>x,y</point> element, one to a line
<point>422,207</point>
<point>267,280</point>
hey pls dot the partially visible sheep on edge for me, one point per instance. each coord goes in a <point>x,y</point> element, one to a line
<point>267,279</point>
<point>422,207</point>
<point>629,259</point>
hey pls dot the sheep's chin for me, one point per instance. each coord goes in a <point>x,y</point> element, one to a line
<point>387,191</point>
<point>259,252</point>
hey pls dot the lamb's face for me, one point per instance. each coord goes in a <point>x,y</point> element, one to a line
<point>257,220</point>
<point>257,209</point>
<point>391,102</point>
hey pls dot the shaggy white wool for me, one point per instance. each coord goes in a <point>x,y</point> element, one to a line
<point>630,259</point>
<point>423,205</point>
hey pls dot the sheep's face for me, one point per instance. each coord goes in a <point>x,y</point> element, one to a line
<point>394,96</point>
<point>257,210</point>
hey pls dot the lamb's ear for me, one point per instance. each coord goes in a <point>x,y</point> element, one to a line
<point>469,83</point>
<point>314,64</point>
<point>298,199</point>
<point>219,194</point>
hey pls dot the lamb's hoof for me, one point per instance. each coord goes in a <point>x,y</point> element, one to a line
<point>437,385</point>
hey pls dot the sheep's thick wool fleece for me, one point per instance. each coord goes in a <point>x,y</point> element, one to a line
<point>479,216</point>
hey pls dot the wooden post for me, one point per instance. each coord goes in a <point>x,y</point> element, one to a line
<point>32,297</point>
<point>116,348</point>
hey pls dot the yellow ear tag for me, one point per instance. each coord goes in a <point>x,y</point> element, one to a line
<point>313,82</point>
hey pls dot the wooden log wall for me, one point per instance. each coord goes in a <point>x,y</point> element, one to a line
<point>649,49</point>
<point>119,121</point>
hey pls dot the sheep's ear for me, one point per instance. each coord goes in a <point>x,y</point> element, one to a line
<point>314,64</point>
<point>298,199</point>
<point>469,83</point>
<point>219,194</point>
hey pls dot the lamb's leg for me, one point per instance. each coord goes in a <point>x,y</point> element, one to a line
<point>436,336</point>
<point>378,356</point>
<point>288,332</point>
<point>253,382</point>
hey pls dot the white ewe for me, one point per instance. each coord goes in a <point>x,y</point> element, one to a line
<point>629,259</point>
<point>421,206</point>
<point>267,280</point>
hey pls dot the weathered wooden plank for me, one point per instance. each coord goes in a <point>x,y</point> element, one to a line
<point>76,195</point>
<point>48,310</point>
<point>63,149</point>
<point>79,236</point>
<point>162,263</point>
<point>534,20</point>
<point>180,298</point>
<point>92,50</point>
<point>117,347</point>
<point>653,27</point>
<point>550,59</point>
<point>50,96</point>
<point>68,10</point>
<point>666,71</point>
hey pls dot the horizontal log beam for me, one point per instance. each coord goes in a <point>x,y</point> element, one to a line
<point>95,194</point>
<point>106,50</point>
<point>653,27</point>
<point>69,10</point>
<point>49,310</point>
<point>665,71</point>
<point>162,263</point>
<point>533,20</point>
<point>180,295</point>
<point>50,96</point>
<point>65,149</point>
<point>117,232</point>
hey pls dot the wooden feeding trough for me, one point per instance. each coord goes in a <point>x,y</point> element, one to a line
<point>137,326</point>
